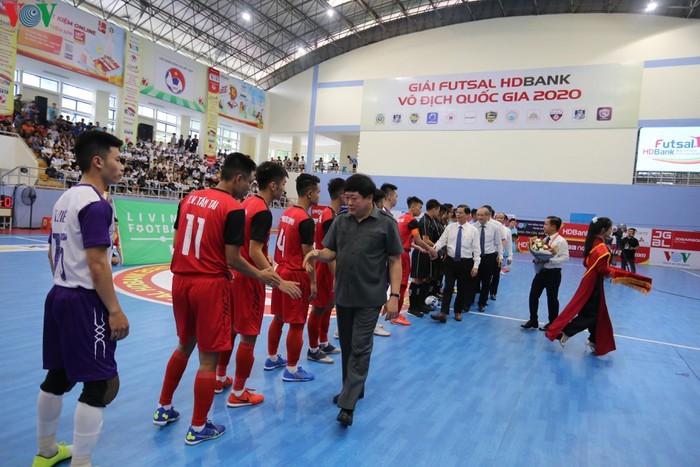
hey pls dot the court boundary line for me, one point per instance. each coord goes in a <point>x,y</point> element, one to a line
<point>691,273</point>
<point>651,341</point>
<point>29,239</point>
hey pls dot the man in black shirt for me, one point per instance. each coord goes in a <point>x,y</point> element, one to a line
<point>628,246</point>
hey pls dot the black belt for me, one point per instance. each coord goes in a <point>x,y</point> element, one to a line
<point>488,254</point>
<point>460,260</point>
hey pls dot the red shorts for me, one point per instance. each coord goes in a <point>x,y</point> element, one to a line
<point>292,310</point>
<point>248,305</point>
<point>202,309</point>
<point>405,267</point>
<point>324,286</point>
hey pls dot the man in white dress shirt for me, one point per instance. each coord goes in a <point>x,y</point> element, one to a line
<point>490,235</point>
<point>549,277</point>
<point>461,263</point>
<point>507,241</point>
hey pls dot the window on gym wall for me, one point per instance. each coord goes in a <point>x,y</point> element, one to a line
<point>194,128</point>
<point>77,103</point>
<point>147,112</point>
<point>112,114</point>
<point>228,140</point>
<point>166,125</point>
<point>36,81</point>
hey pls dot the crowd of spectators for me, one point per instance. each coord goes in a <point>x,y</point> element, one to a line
<point>155,168</point>
<point>150,167</point>
<point>298,164</point>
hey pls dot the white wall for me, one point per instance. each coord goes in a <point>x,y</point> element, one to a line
<point>14,153</point>
<point>290,104</point>
<point>585,156</point>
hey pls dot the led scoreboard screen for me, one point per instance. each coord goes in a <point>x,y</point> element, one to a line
<point>5,201</point>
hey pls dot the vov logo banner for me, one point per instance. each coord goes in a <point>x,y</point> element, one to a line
<point>30,15</point>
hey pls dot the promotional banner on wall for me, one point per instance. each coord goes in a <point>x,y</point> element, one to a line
<point>62,35</point>
<point>128,125</point>
<point>241,101</point>
<point>213,90</point>
<point>146,230</point>
<point>172,78</point>
<point>8,56</point>
<point>575,235</point>
<point>669,149</point>
<point>593,96</point>
<point>675,248</point>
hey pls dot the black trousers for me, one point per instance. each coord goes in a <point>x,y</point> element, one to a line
<point>587,318</point>
<point>628,262</point>
<point>489,263</point>
<point>495,280</point>
<point>461,272</point>
<point>546,279</point>
<point>356,332</point>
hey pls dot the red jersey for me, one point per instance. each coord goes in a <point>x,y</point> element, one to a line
<point>324,223</point>
<point>296,227</point>
<point>408,227</point>
<point>207,220</point>
<point>258,222</point>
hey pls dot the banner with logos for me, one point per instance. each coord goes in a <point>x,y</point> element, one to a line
<point>213,88</point>
<point>8,57</point>
<point>675,248</point>
<point>674,149</point>
<point>590,96</point>
<point>128,125</point>
<point>172,78</point>
<point>146,231</point>
<point>62,35</point>
<point>241,101</point>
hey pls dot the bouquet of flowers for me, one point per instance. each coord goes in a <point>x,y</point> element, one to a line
<point>541,251</point>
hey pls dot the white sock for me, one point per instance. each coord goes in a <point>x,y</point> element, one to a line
<point>199,428</point>
<point>221,378</point>
<point>166,407</point>
<point>292,369</point>
<point>48,409</point>
<point>323,344</point>
<point>272,357</point>
<point>87,426</point>
<point>237,393</point>
<point>313,350</point>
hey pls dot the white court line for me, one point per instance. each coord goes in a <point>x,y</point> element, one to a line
<point>691,273</point>
<point>29,239</point>
<point>616,335</point>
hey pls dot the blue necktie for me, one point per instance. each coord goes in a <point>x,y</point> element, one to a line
<point>482,239</point>
<point>458,248</point>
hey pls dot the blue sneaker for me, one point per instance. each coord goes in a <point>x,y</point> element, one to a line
<point>271,365</point>
<point>162,417</point>
<point>299,377</point>
<point>210,431</point>
<point>329,349</point>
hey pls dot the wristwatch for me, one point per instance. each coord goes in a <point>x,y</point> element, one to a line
<point>395,295</point>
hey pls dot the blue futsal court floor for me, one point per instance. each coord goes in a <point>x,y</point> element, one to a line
<point>481,392</point>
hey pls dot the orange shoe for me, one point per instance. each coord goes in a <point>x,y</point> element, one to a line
<point>221,385</point>
<point>401,319</point>
<point>247,398</point>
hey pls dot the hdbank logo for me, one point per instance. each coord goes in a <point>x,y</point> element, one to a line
<point>677,257</point>
<point>29,15</point>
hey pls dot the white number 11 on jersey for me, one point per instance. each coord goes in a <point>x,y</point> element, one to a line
<point>188,235</point>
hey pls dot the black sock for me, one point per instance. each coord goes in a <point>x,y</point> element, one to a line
<point>423,293</point>
<point>413,296</point>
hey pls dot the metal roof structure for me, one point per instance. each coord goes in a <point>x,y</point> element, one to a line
<point>266,42</point>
